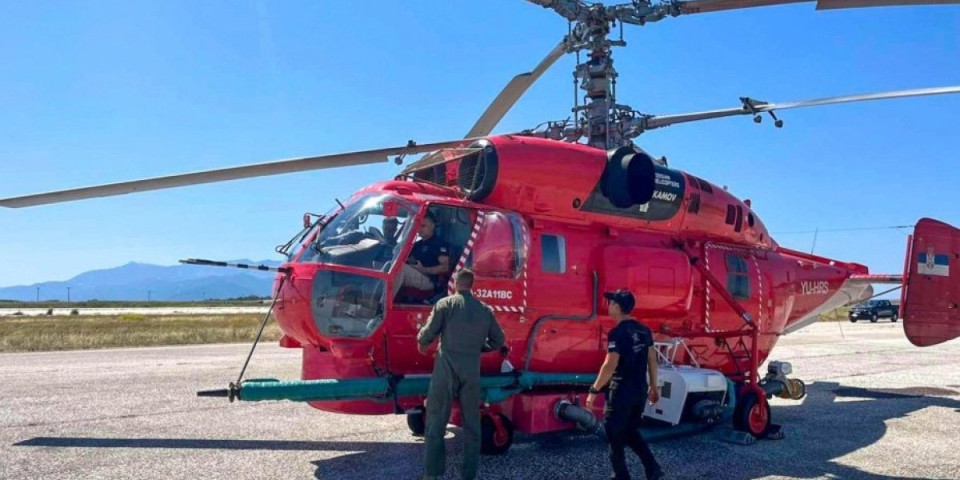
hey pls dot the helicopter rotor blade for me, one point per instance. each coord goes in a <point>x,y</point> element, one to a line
<point>706,6</point>
<point>837,4</point>
<point>754,107</point>
<point>226,174</point>
<point>510,94</point>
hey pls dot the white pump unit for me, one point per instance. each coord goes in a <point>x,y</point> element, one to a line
<point>685,391</point>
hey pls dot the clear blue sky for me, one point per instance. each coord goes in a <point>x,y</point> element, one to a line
<point>108,91</point>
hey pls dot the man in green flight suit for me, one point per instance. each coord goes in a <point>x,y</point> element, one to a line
<point>467,328</point>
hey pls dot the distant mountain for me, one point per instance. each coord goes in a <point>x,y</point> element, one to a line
<point>137,281</point>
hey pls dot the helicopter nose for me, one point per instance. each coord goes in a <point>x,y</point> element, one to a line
<point>293,308</point>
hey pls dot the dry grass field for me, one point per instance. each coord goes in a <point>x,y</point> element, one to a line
<point>25,334</point>
<point>42,333</point>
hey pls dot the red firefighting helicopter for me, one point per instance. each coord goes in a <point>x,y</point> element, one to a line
<point>547,223</point>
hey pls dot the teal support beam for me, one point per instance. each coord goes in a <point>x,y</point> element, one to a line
<point>496,388</point>
<point>314,390</point>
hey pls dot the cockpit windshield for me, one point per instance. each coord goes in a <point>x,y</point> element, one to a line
<point>369,233</point>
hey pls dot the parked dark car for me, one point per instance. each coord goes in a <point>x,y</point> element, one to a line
<point>873,310</point>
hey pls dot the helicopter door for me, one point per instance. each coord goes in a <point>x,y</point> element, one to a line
<point>409,311</point>
<point>739,272</point>
<point>498,258</point>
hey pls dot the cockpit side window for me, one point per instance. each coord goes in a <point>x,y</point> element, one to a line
<point>454,227</point>
<point>500,250</point>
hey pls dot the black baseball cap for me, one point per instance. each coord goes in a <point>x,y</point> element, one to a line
<point>623,298</point>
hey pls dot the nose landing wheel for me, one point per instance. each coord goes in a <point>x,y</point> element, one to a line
<point>496,434</point>
<point>417,421</point>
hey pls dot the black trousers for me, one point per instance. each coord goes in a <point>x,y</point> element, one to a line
<point>622,415</point>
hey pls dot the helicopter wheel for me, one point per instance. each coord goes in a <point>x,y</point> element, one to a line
<point>492,441</point>
<point>417,421</point>
<point>752,415</point>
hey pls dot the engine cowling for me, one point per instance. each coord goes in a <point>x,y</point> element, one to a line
<point>538,175</point>
<point>629,177</point>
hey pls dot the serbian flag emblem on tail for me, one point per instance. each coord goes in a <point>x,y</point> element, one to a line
<point>931,263</point>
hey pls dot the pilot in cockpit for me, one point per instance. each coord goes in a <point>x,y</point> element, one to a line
<point>391,226</point>
<point>429,261</point>
<point>388,244</point>
<point>350,234</point>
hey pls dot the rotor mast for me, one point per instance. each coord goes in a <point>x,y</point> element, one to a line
<point>605,123</point>
<point>597,77</point>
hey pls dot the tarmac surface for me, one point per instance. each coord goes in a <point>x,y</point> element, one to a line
<point>877,408</point>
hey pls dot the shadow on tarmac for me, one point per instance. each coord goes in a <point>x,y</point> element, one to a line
<point>819,432</point>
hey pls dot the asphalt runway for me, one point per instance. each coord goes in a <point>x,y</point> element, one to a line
<point>877,408</point>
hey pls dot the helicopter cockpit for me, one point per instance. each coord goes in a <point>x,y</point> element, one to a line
<point>368,233</point>
<point>380,247</point>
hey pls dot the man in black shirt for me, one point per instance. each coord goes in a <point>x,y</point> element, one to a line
<point>429,259</point>
<point>629,359</point>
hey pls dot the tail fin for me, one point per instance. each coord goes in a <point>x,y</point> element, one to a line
<point>930,299</point>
